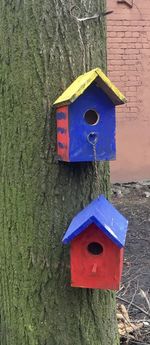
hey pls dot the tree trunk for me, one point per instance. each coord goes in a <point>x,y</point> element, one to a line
<point>43,47</point>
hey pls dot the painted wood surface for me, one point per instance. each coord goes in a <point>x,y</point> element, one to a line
<point>102,271</point>
<point>62,133</point>
<point>81,148</point>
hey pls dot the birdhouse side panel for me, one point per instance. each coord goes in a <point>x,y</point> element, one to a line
<point>121,262</point>
<point>99,270</point>
<point>62,133</point>
<point>92,123</point>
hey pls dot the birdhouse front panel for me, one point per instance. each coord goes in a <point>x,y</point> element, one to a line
<point>92,127</point>
<point>96,262</point>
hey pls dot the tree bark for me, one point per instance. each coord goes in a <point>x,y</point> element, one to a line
<point>43,47</point>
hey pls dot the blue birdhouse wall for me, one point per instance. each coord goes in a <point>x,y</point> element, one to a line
<point>92,123</point>
<point>86,119</point>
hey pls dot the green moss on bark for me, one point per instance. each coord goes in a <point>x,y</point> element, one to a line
<point>42,49</point>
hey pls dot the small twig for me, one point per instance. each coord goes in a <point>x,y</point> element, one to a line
<point>127,2</point>
<point>138,9</point>
<point>138,342</point>
<point>134,305</point>
<point>122,287</point>
<point>83,19</point>
<point>140,320</point>
<point>86,18</point>
<point>126,288</point>
<point>133,297</point>
<point>133,278</point>
<point>143,294</point>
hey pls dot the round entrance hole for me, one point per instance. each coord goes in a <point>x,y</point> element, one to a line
<point>95,248</point>
<point>91,117</point>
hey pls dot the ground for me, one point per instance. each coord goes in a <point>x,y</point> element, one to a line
<point>133,200</point>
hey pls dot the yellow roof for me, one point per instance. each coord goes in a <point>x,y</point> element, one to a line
<point>82,83</point>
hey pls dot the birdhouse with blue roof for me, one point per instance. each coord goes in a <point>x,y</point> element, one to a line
<point>97,236</point>
<point>86,119</point>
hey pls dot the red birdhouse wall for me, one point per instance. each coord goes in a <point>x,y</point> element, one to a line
<point>96,262</point>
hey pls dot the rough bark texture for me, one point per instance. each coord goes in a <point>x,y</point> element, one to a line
<point>42,49</point>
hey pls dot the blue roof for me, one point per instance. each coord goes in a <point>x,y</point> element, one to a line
<point>102,213</point>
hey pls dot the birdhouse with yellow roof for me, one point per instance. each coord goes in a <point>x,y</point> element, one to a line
<point>86,122</point>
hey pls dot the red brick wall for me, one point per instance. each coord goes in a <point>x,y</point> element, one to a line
<point>128,47</point>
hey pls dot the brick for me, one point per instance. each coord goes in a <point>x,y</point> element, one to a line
<point>132,88</point>
<point>130,62</point>
<point>130,40</point>
<point>144,39</point>
<point>121,34</point>
<point>132,51</point>
<point>111,33</point>
<point>145,51</point>
<point>146,45</point>
<point>113,62</point>
<point>131,94</point>
<point>138,23</point>
<point>116,51</point>
<point>132,68</point>
<point>130,46</point>
<point>135,34</point>
<point>121,73</point>
<point>138,45</point>
<point>128,34</point>
<point>134,109</point>
<point>115,40</point>
<point>132,99</point>
<point>118,28</point>
<point>131,57</point>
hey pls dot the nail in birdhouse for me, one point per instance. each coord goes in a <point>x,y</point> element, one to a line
<point>86,119</point>
<point>97,236</point>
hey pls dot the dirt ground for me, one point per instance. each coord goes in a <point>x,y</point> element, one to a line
<point>133,200</point>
